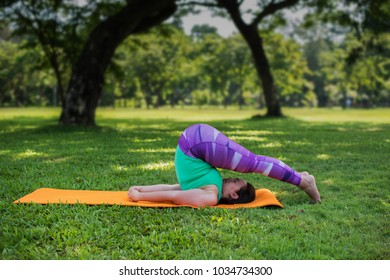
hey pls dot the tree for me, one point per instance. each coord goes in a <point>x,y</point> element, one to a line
<point>252,36</point>
<point>215,65</point>
<point>155,60</point>
<point>315,41</point>
<point>40,23</point>
<point>23,80</point>
<point>290,69</point>
<point>225,65</point>
<point>200,31</point>
<point>366,20</point>
<point>101,36</point>
<point>85,87</point>
<point>354,66</point>
<point>239,70</point>
<point>369,75</point>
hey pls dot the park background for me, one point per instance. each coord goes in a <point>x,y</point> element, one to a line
<point>318,55</point>
<point>83,109</point>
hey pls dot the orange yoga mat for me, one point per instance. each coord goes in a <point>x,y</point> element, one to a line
<point>264,197</point>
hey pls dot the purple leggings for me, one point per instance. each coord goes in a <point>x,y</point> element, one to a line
<point>207,143</point>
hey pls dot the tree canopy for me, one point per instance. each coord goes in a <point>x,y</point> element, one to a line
<point>63,52</point>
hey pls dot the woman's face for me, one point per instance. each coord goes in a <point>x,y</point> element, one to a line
<point>230,187</point>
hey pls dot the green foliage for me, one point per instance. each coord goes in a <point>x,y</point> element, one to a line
<point>290,70</point>
<point>365,81</point>
<point>21,81</point>
<point>228,69</point>
<point>346,150</point>
<point>359,15</point>
<point>165,51</point>
<point>201,97</point>
<point>56,28</point>
<point>183,67</point>
<point>168,67</point>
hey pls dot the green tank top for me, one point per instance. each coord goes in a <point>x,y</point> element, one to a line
<point>194,173</point>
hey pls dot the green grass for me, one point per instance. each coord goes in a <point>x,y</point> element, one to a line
<point>348,151</point>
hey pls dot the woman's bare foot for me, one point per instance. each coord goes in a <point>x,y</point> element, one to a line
<point>308,185</point>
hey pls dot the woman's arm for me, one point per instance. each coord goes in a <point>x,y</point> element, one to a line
<point>155,188</point>
<point>205,196</point>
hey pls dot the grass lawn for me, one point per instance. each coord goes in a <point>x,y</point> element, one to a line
<point>348,152</point>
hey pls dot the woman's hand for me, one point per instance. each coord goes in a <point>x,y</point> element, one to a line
<point>133,193</point>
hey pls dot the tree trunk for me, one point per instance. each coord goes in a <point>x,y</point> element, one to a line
<point>255,43</point>
<point>263,69</point>
<point>87,79</point>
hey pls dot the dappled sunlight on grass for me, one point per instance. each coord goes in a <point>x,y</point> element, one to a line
<point>29,154</point>
<point>29,113</point>
<point>273,144</point>
<point>342,129</point>
<point>20,127</point>
<point>120,168</point>
<point>300,143</point>
<point>338,115</point>
<point>372,129</point>
<point>252,136</point>
<point>145,140</point>
<point>323,156</point>
<point>125,126</point>
<point>157,166</point>
<point>255,132</point>
<point>161,150</point>
<point>5,152</point>
<point>385,203</point>
<point>327,182</point>
<point>248,138</point>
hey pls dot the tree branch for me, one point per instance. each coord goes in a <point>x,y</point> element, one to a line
<point>273,8</point>
<point>233,8</point>
<point>198,3</point>
<point>155,19</point>
<point>240,2</point>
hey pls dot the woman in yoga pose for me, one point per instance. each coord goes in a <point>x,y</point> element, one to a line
<point>202,149</point>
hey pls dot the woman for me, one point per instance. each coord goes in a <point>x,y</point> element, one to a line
<point>201,149</point>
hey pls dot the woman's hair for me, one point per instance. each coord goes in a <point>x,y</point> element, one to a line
<point>246,194</point>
